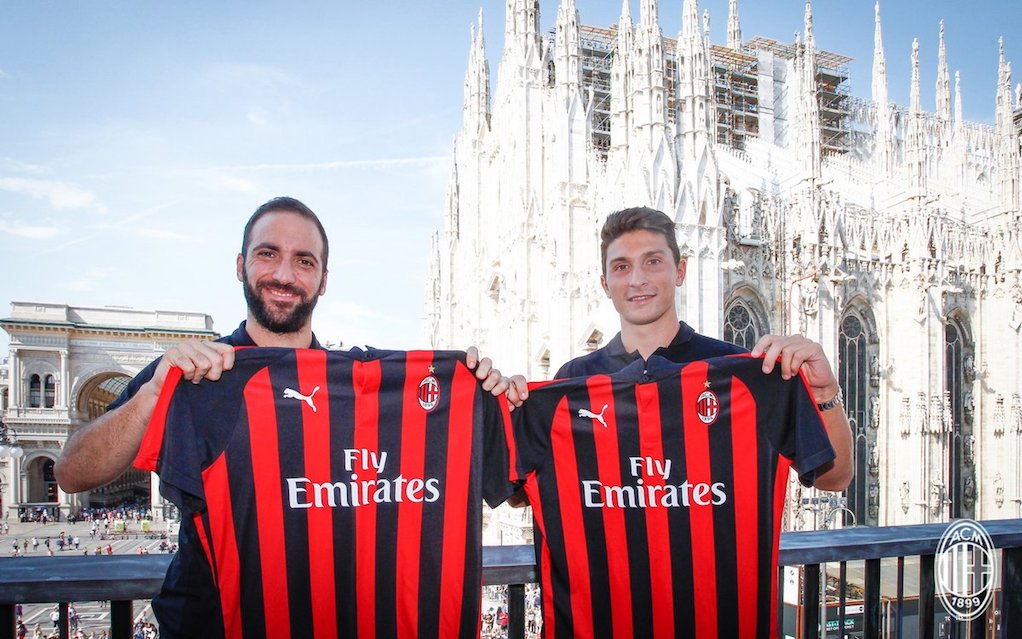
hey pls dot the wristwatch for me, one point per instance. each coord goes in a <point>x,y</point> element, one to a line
<point>831,403</point>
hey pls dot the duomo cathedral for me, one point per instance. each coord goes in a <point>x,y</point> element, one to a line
<point>890,234</point>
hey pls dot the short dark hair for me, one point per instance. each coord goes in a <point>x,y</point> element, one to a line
<point>286,205</point>
<point>639,218</point>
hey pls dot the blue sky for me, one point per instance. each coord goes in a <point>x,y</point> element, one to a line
<point>137,136</point>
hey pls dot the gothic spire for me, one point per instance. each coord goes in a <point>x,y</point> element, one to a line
<point>567,46</point>
<point>649,14</point>
<point>884,154</point>
<point>958,100</point>
<point>810,143</point>
<point>734,28</point>
<point>943,81</point>
<point>690,18</point>
<point>915,106</point>
<point>879,62</point>
<point>477,81</point>
<point>810,40</point>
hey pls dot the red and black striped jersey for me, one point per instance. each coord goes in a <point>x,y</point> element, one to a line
<point>658,493</point>
<point>337,494</point>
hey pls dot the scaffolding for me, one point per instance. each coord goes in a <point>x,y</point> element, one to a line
<point>832,91</point>
<point>735,88</point>
<point>736,95</point>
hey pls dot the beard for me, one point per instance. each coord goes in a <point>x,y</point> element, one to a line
<point>278,321</point>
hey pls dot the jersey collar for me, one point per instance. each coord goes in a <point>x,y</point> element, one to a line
<point>240,337</point>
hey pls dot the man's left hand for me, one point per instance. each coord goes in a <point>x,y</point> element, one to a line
<point>492,380</point>
<point>795,352</point>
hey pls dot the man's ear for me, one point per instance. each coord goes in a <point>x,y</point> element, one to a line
<point>682,266</point>
<point>240,267</point>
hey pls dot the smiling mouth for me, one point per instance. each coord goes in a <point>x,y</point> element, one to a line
<point>282,293</point>
<point>640,298</point>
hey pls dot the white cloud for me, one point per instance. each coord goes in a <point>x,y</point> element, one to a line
<point>17,166</point>
<point>236,184</point>
<point>258,117</point>
<point>164,234</point>
<point>29,232</point>
<point>247,76</point>
<point>60,195</point>
<point>427,161</point>
<point>94,279</point>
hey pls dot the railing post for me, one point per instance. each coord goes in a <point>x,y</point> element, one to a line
<point>927,593</point>
<point>121,619</point>
<point>1011,593</point>
<point>64,623</point>
<point>516,611</point>
<point>7,621</point>
<point>810,601</point>
<point>871,611</point>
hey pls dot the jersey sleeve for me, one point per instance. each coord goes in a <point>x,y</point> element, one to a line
<point>531,429</point>
<point>187,430</point>
<point>812,445</point>
<point>793,423</point>
<point>499,450</point>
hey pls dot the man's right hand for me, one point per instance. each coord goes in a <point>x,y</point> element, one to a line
<point>197,359</point>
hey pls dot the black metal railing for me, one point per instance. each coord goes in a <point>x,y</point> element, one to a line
<point>126,578</point>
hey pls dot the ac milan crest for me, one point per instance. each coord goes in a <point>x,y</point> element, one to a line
<point>707,407</point>
<point>429,392</point>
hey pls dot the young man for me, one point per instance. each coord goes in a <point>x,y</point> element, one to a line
<point>283,270</point>
<point>642,267</point>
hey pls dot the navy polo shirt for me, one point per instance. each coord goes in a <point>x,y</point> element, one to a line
<point>687,346</point>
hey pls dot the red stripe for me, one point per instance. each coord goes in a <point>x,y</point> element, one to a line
<point>221,525</point>
<point>658,535</point>
<point>744,447</point>
<point>608,463</point>
<point>366,381</point>
<point>312,374</point>
<point>152,440</point>
<point>697,461</point>
<point>200,532</point>
<point>545,577</point>
<point>509,439</point>
<point>780,491</point>
<point>262,419</point>
<point>456,500</point>
<point>409,513</point>
<point>562,445</point>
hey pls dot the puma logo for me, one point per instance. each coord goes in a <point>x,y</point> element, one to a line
<point>584,412</point>
<point>290,393</point>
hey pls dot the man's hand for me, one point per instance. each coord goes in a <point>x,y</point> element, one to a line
<point>197,359</point>
<point>515,387</point>
<point>104,448</point>
<point>796,352</point>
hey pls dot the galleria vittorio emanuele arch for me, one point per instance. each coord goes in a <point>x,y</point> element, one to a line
<point>889,233</point>
<point>65,365</point>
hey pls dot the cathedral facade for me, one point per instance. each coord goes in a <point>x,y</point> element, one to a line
<point>892,235</point>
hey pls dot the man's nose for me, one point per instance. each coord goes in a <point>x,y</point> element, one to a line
<point>285,272</point>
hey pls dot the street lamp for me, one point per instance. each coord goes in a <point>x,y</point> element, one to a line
<point>9,446</point>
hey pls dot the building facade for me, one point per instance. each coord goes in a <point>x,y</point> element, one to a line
<point>890,234</point>
<point>64,367</point>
